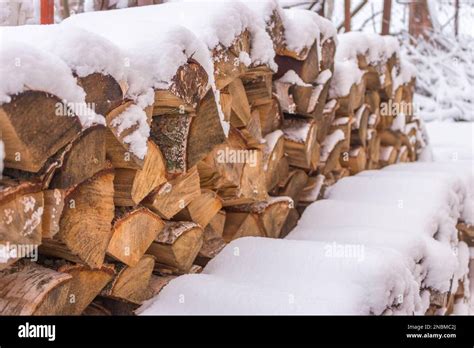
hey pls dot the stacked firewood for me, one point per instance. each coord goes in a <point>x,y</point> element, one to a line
<point>113,224</point>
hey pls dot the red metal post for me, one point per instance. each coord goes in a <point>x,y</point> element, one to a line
<point>47,12</point>
<point>387,11</point>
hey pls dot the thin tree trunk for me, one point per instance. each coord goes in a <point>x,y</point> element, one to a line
<point>347,15</point>
<point>387,11</point>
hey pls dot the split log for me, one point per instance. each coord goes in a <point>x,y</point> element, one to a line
<point>357,160</point>
<point>213,242</point>
<point>310,101</point>
<point>157,283</point>
<point>360,126</point>
<point>117,149</point>
<point>273,153</point>
<point>264,218</point>
<point>82,158</point>
<point>21,211</point>
<point>133,230</point>
<point>258,86</point>
<point>53,208</point>
<point>187,88</point>
<point>290,222</point>
<point>202,209</point>
<point>270,116</point>
<point>312,191</point>
<point>227,65</point>
<point>168,199</point>
<point>300,143</point>
<point>295,185</point>
<point>131,186</point>
<point>327,118</point>
<point>85,284</point>
<point>388,155</point>
<point>177,245</point>
<point>131,282</point>
<point>102,91</point>
<point>305,64</point>
<point>32,131</point>
<point>85,223</point>
<point>30,289</point>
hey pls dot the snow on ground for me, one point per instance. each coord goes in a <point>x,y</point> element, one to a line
<point>451,141</point>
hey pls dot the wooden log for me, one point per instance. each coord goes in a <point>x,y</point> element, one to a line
<point>170,133</point>
<point>357,160</point>
<point>117,149</point>
<point>177,245</point>
<point>327,118</point>
<point>102,91</point>
<point>290,222</point>
<point>295,185</point>
<point>300,143</point>
<point>360,126</point>
<point>131,186</point>
<point>86,283</point>
<point>388,155</point>
<point>240,108</point>
<point>133,230</point>
<point>227,65</point>
<point>310,101</point>
<point>53,208</point>
<point>264,218</point>
<point>187,88</point>
<point>130,284</point>
<point>213,242</point>
<point>201,209</point>
<point>270,115</point>
<point>27,288</point>
<point>312,191</point>
<point>30,139</point>
<point>83,158</point>
<point>85,223</point>
<point>306,65</point>
<point>173,196</point>
<point>258,86</point>
<point>21,211</point>
<point>328,51</point>
<point>273,153</point>
<point>205,131</point>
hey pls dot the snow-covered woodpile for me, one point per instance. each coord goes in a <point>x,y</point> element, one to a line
<point>138,142</point>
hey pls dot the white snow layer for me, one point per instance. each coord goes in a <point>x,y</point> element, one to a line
<point>377,245</point>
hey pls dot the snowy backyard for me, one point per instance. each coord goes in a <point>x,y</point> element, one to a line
<point>236,157</point>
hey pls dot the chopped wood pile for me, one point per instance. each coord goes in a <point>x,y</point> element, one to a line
<point>157,189</point>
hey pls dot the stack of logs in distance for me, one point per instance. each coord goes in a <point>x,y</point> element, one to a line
<point>113,229</point>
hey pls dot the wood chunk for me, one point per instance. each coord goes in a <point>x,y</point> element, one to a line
<point>85,224</point>
<point>131,283</point>
<point>270,115</point>
<point>388,155</point>
<point>21,211</point>
<point>53,208</point>
<point>307,68</point>
<point>32,131</point>
<point>273,153</point>
<point>258,86</point>
<point>300,143</point>
<point>213,242</point>
<point>328,51</point>
<point>240,114</point>
<point>357,160</point>
<point>27,288</point>
<point>202,209</point>
<point>84,157</point>
<point>85,284</point>
<point>188,87</point>
<point>133,230</point>
<point>264,218</point>
<point>227,65</point>
<point>118,151</point>
<point>312,191</point>
<point>205,131</point>
<point>177,245</point>
<point>290,222</point>
<point>360,126</point>
<point>131,186</point>
<point>294,187</point>
<point>102,91</point>
<point>168,199</point>
<point>327,118</point>
<point>170,133</point>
